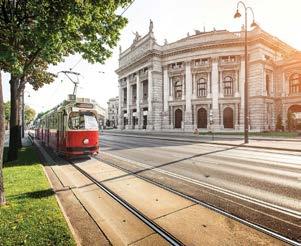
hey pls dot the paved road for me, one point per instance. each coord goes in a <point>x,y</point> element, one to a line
<point>269,179</point>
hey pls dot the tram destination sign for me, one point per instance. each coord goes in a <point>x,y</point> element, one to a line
<point>84,105</point>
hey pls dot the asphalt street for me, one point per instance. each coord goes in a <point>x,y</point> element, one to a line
<point>269,180</point>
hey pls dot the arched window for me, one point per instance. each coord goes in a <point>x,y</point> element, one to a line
<point>202,87</point>
<point>228,86</point>
<point>178,89</point>
<point>267,84</point>
<point>295,83</point>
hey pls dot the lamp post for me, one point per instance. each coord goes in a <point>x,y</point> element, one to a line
<point>246,94</point>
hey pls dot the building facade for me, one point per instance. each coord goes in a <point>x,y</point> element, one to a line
<point>198,82</point>
<point>113,112</point>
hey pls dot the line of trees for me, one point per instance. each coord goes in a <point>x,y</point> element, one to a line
<point>37,33</point>
<point>29,113</point>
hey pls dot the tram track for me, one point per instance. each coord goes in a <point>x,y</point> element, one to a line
<point>265,230</point>
<point>158,229</point>
<point>256,200</point>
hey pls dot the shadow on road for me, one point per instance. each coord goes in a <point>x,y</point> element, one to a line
<point>170,163</point>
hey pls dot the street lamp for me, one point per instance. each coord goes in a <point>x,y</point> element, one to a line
<point>246,109</point>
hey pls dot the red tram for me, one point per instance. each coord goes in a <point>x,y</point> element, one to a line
<point>70,129</point>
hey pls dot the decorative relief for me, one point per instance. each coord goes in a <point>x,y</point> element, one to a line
<point>137,52</point>
<point>231,73</point>
<point>201,75</point>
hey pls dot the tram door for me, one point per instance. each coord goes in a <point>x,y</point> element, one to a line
<point>61,130</point>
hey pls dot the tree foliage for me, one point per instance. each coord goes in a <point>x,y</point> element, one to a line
<point>32,31</point>
<point>6,110</point>
<point>30,114</point>
<point>36,33</point>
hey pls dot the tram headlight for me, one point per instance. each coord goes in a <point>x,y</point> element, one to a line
<point>86,141</point>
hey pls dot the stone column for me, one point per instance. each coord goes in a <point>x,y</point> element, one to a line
<point>171,89</point>
<point>194,86</point>
<point>237,84</point>
<point>188,112</point>
<point>166,92</point>
<point>220,83</point>
<point>263,89</point>
<point>150,99</point>
<point>120,113</point>
<point>138,92</point>
<point>272,84</point>
<point>215,94</point>
<point>128,100</point>
<point>283,85</point>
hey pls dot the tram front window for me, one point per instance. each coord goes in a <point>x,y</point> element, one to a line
<point>82,120</point>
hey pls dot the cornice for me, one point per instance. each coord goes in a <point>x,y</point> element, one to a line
<point>235,42</point>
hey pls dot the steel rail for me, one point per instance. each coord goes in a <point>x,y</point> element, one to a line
<point>158,229</point>
<point>209,206</point>
<point>275,207</point>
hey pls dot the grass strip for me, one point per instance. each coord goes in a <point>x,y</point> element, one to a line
<point>32,215</point>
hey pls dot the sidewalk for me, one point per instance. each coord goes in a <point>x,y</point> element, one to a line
<point>25,141</point>
<point>282,144</point>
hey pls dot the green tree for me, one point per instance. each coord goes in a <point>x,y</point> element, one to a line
<point>35,33</point>
<point>6,110</point>
<point>30,114</point>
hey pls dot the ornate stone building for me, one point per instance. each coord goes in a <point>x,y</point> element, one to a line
<point>198,82</point>
<point>113,109</point>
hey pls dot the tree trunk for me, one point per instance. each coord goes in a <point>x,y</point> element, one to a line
<point>2,133</point>
<point>20,119</point>
<point>14,131</point>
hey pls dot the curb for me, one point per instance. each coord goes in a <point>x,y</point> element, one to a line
<point>75,237</point>
<point>205,142</point>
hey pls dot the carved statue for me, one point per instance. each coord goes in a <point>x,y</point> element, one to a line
<point>165,42</point>
<point>137,36</point>
<point>151,25</point>
<point>188,34</point>
<point>120,49</point>
<point>197,32</point>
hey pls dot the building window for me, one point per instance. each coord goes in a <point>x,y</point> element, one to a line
<point>228,86</point>
<point>267,84</point>
<point>202,87</point>
<point>178,89</point>
<point>295,83</point>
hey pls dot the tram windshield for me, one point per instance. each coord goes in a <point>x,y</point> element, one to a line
<point>82,120</point>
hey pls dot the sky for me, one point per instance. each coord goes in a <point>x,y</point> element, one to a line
<point>172,20</point>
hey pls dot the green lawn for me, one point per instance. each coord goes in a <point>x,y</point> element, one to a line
<point>32,215</point>
<point>257,134</point>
